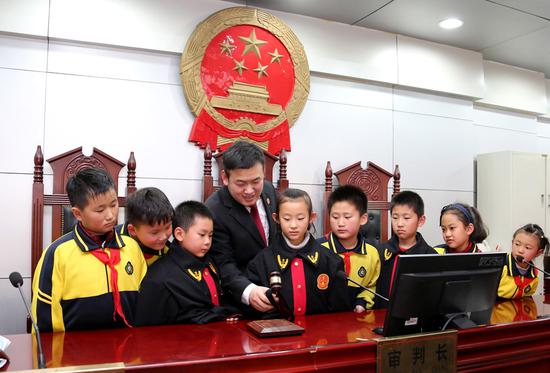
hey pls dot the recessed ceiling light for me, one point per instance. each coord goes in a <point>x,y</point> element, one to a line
<point>451,23</point>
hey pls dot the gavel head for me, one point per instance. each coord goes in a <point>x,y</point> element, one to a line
<point>275,282</point>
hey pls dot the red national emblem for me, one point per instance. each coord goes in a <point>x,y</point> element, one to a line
<point>245,76</point>
<point>322,281</point>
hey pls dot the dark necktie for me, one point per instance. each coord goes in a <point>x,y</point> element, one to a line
<point>256,217</point>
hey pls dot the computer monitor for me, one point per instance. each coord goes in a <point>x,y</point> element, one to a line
<point>436,292</point>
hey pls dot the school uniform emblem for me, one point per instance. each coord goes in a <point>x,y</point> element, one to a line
<point>244,74</point>
<point>283,262</point>
<point>313,258</point>
<point>197,275</point>
<point>362,272</point>
<point>212,268</point>
<point>322,281</point>
<point>129,268</point>
<point>387,254</point>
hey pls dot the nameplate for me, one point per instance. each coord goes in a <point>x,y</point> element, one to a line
<point>417,353</point>
<point>274,328</point>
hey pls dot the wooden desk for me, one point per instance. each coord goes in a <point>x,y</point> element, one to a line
<point>331,342</point>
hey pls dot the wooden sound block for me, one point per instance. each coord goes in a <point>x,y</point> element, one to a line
<point>274,328</point>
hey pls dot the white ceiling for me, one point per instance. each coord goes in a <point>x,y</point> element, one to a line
<point>514,32</point>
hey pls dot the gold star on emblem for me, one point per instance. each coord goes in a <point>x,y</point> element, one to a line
<point>252,43</point>
<point>275,56</point>
<point>261,70</point>
<point>239,66</point>
<point>227,47</point>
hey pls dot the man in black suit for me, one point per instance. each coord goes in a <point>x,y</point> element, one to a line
<point>243,225</point>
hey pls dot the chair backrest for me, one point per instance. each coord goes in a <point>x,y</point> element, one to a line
<point>64,166</point>
<point>208,186</point>
<point>373,180</point>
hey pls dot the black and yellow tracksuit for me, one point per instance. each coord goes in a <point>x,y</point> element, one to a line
<point>72,288</point>
<point>149,254</point>
<point>361,264</point>
<point>444,249</point>
<point>515,285</point>
<point>389,251</point>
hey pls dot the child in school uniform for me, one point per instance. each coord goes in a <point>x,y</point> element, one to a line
<point>519,278</point>
<point>309,279</point>
<point>462,229</point>
<point>149,216</point>
<point>347,208</point>
<point>183,286</point>
<point>89,277</point>
<point>407,216</point>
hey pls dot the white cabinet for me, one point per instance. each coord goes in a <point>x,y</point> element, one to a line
<point>512,190</point>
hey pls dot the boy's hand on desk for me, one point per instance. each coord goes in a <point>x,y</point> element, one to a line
<point>259,300</point>
<point>359,309</point>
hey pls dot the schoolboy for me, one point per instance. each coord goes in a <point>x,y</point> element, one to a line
<point>184,286</point>
<point>407,216</point>
<point>149,222</point>
<point>89,277</point>
<point>347,208</point>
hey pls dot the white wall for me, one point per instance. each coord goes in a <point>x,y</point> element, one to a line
<point>114,83</point>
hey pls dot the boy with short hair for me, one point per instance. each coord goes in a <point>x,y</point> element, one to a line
<point>149,216</point>
<point>347,208</point>
<point>89,277</point>
<point>407,215</point>
<point>184,286</point>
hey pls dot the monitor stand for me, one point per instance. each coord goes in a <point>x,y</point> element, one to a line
<point>458,321</point>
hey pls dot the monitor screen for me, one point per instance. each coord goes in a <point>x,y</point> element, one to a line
<point>436,292</point>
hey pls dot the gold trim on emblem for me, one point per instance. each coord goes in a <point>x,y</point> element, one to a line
<point>190,68</point>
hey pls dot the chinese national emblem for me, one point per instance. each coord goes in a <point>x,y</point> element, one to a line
<point>245,76</point>
<point>322,281</point>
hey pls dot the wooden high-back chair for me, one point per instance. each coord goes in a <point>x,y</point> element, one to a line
<point>208,186</point>
<point>64,166</point>
<point>373,180</point>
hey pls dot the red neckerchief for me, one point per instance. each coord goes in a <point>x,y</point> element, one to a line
<point>521,283</point>
<point>469,249</point>
<point>110,261</point>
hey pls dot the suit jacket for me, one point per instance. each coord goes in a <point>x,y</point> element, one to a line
<point>236,238</point>
<point>175,291</point>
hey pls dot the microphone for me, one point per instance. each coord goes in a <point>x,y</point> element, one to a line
<point>342,275</point>
<point>17,281</point>
<point>521,259</point>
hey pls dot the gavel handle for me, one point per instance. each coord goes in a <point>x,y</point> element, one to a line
<point>269,295</point>
<point>280,306</point>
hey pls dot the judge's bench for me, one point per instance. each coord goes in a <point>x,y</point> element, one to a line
<point>518,337</point>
